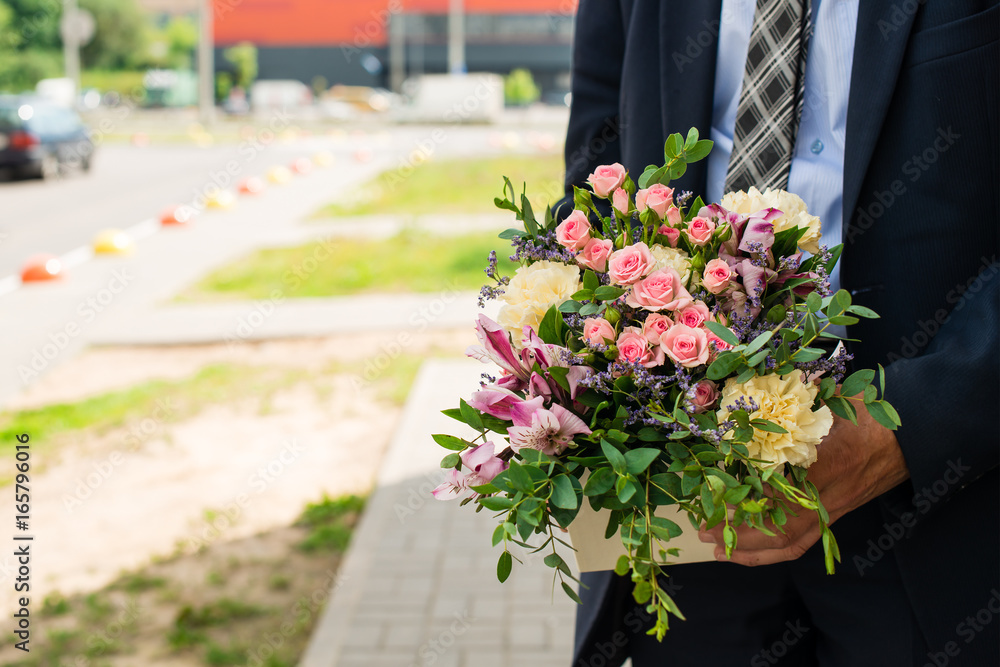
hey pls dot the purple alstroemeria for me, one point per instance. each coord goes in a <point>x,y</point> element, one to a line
<point>483,463</point>
<point>496,347</point>
<point>759,229</point>
<point>535,350</point>
<point>494,400</point>
<point>455,484</point>
<point>483,466</point>
<point>539,385</point>
<point>548,430</point>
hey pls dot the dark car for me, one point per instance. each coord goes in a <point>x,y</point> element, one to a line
<point>40,139</point>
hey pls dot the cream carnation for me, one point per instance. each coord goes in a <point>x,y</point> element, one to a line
<point>532,291</point>
<point>786,401</point>
<point>672,258</point>
<point>793,209</point>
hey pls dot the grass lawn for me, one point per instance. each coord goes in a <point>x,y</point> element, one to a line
<point>408,262</point>
<point>216,607</point>
<point>455,186</point>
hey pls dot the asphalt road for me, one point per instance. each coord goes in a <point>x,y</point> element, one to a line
<point>128,184</point>
<point>125,186</point>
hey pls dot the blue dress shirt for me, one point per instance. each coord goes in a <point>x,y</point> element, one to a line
<point>817,173</point>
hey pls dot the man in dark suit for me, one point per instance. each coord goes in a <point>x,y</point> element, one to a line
<point>917,510</point>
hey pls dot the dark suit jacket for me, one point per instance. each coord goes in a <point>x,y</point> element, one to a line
<point>921,217</point>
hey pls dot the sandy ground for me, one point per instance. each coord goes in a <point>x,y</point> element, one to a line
<point>109,503</point>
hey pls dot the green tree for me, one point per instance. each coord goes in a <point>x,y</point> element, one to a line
<point>519,88</point>
<point>243,57</point>
<point>120,39</point>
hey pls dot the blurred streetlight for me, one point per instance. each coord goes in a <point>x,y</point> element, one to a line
<point>456,37</point>
<point>206,63</point>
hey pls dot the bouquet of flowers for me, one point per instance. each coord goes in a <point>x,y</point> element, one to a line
<point>656,351</point>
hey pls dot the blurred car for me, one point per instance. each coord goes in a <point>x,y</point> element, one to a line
<point>41,139</point>
<point>279,95</point>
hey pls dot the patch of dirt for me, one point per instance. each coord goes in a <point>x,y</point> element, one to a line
<point>213,492</point>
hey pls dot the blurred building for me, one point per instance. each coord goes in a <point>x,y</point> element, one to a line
<point>347,41</point>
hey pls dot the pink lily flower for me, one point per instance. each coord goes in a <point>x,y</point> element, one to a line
<point>547,430</point>
<point>483,466</point>
<point>494,400</point>
<point>496,347</point>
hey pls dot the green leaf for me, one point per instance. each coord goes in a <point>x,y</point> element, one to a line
<point>638,460</point>
<point>804,354</point>
<point>451,460</point>
<point>590,309</point>
<point>856,383</point>
<point>529,216</point>
<point>724,365</point>
<point>842,408</point>
<point>508,234</point>
<point>881,380</point>
<point>496,503</point>
<point>622,567</point>
<point>471,415</point>
<point>582,295</point>
<point>843,320</point>
<point>729,536</point>
<point>843,297</point>
<point>590,280</point>
<point>615,457</point>
<point>776,314</point>
<point>498,534</point>
<point>552,327</point>
<point>600,481</point>
<point>519,478</point>
<point>863,312</point>
<point>673,146</point>
<point>678,170</point>
<point>700,150</point>
<point>570,306</point>
<point>871,393</point>
<point>814,302</point>
<point>884,414</point>
<point>692,139</point>
<point>767,425</point>
<point>756,359</point>
<point>665,529</point>
<point>608,292</point>
<point>504,566</point>
<point>571,593</point>
<point>563,493</point>
<point>451,442</point>
<point>723,332</point>
<point>757,343</point>
<point>736,494</point>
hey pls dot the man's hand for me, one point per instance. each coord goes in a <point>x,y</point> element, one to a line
<point>855,464</point>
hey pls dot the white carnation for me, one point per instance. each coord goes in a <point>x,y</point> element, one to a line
<point>786,401</point>
<point>793,209</point>
<point>532,291</point>
<point>674,258</point>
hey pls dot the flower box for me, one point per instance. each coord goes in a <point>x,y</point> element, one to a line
<point>594,553</point>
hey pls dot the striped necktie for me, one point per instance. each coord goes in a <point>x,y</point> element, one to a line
<point>771,101</point>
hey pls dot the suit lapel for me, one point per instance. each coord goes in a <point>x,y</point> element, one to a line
<point>687,72</point>
<point>881,40</point>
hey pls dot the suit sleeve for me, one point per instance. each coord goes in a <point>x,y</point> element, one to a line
<point>592,138</point>
<point>948,398</point>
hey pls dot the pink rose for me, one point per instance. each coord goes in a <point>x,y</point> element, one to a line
<point>655,326</point>
<point>717,276</point>
<point>606,179</point>
<point>634,348</point>
<point>699,230</point>
<point>657,197</point>
<point>597,331</point>
<point>694,315</point>
<point>705,396</point>
<point>630,264</point>
<point>662,290</point>
<point>595,254</point>
<point>574,231</point>
<point>674,216</point>
<point>673,234</point>
<point>686,346</point>
<point>620,201</point>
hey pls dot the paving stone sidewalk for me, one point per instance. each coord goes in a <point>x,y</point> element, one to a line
<point>418,585</point>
